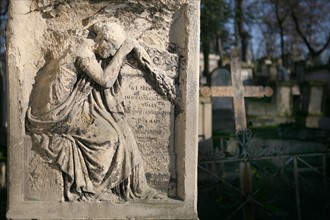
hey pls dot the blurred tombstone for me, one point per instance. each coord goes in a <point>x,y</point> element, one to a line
<point>246,73</point>
<point>222,107</point>
<point>280,109</point>
<point>223,116</point>
<point>284,100</point>
<point>313,103</point>
<point>205,143</point>
<point>273,74</point>
<point>221,77</point>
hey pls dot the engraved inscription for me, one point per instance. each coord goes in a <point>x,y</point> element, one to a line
<point>152,120</point>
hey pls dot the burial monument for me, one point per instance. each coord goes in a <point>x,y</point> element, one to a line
<point>103,99</point>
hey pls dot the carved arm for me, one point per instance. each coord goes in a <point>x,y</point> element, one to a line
<point>142,55</point>
<point>107,77</point>
<point>113,68</point>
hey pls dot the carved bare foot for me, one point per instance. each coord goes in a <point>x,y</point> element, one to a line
<point>155,195</point>
<point>110,197</point>
<point>159,196</point>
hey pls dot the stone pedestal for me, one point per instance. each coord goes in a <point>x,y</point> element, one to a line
<point>276,111</point>
<point>103,102</point>
<point>312,103</point>
<point>205,143</point>
<point>246,72</point>
<point>284,99</point>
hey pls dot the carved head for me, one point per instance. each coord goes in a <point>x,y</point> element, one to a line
<point>109,37</point>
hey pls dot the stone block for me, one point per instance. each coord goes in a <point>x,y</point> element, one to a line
<point>103,109</point>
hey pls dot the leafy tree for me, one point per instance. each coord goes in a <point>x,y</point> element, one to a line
<point>214,30</point>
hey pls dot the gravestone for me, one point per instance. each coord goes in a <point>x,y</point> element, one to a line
<point>205,142</point>
<point>221,77</point>
<point>103,100</point>
<point>247,72</point>
<point>312,103</point>
<point>273,72</point>
<point>276,111</point>
<point>222,107</point>
<point>284,99</point>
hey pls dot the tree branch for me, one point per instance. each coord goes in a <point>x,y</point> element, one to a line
<point>312,51</point>
<point>324,46</point>
<point>298,29</point>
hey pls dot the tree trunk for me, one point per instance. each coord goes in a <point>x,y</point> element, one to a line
<point>206,53</point>
<point>243,35</point>
<point>280,22</point>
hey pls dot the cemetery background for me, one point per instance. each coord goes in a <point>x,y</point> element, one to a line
<point>288,147</point>
<point>295,120</point>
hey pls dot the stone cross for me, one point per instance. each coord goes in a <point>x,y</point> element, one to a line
<point>239,92</point>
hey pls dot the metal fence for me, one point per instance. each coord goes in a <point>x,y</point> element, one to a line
<point>285,183</point>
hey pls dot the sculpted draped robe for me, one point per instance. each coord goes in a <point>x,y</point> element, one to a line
<point>80,126</point>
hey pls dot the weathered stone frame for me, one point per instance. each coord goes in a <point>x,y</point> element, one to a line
<point>185,137</point>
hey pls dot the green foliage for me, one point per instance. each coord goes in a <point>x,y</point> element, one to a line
<point>214,16</point>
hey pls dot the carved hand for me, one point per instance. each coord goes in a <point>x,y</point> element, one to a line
<point>128,45</point>
<point>82,62</point>
<point>142,55</point>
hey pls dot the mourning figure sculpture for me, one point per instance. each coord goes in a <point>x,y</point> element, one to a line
<point>76,116</point>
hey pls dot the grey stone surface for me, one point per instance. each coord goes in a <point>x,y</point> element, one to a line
<point>313,102</point>
<point>205,142</point>
<point>221,77</point>
<point>103,101</point>
<point>284,100</point>
<point>278,110</point>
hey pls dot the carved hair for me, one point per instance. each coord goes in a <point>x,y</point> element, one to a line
<point>109,31</point>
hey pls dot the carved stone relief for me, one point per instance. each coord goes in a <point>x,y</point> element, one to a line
<point>102,106</point>
<point>103,98</point>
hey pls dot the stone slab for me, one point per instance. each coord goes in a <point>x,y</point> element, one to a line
<point>41,35</point>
